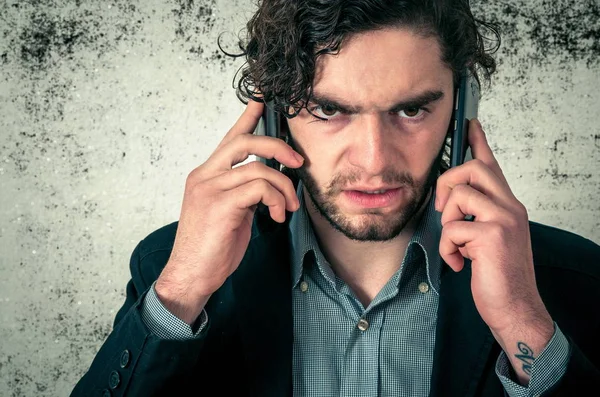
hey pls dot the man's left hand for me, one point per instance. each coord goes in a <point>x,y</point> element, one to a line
<point>498,243</point>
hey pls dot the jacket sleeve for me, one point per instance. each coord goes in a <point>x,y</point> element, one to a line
<point>581,376</point>
<point>132,361</point>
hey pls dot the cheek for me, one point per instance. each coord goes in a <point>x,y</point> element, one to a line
<point>312,152</point>
<point>426,150</point>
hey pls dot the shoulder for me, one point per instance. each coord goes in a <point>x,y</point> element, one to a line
<point>563,250</point>
<point>159,240</point>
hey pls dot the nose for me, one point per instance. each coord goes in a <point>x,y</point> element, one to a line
<point>371,148</point>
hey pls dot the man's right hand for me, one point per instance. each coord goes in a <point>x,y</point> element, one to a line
<point>217,212</point>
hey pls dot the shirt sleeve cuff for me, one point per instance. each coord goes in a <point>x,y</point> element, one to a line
<point>546,369</point>
<point>162,323</point>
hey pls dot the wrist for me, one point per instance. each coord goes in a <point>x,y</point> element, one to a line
<point>524,342</point>
<point>181,302</point>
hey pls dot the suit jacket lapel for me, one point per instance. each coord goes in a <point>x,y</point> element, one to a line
<point>463,340</point>
<point>262,290</point>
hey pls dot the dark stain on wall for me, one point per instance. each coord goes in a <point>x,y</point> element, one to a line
<point>52,35</point>
<point>195,21</point>
<point>46,36</point>
<point>194,18</point>
<point>46,39</point>
<point>538,33</point>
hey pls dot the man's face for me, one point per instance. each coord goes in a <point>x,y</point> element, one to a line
<point>388,99</point>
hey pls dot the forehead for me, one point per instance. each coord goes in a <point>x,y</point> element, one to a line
<point>375,68</point>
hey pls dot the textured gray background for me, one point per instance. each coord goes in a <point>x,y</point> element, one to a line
<point>105,107</point>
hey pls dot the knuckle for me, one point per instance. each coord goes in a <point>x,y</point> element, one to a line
<point>262,184</point>
<point>460,189</point>
<point>241,139</point>
<point>191,177</point>
<point>478,163</point>
<point>521,211</point>
<point>197,174</point>
<point>254,166</point>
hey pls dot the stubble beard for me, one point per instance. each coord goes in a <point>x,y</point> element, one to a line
<point>376,226</point>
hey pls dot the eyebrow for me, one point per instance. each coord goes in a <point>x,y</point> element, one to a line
<point>416,101</point>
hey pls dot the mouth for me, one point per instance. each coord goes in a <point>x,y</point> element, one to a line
<point>373,198</point>
<point>373,191</point>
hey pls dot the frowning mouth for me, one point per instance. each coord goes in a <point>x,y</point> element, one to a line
<point>373,198</point>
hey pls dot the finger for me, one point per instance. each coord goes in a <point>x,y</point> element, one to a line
<point>477,174</point>
<point>256,191</point>
<point>239,148</point>
<point>454,239</point>
<point>257,170</point>
<point>246,123</point>
<point>481,149</point>
<point>465,200</point>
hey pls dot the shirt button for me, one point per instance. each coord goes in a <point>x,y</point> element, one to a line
<point>363,324</point>
<point>106,393</point>
<point>304,286</point>
<point>424,287</point>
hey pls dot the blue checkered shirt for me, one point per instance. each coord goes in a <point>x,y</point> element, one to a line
<point>385,349</point>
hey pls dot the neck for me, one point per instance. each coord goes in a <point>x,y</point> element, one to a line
<point>366,266</point>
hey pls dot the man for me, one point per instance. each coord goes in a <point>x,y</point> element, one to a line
<point>370,282</point>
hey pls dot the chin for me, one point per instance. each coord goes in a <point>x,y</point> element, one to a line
<point>372,225</point>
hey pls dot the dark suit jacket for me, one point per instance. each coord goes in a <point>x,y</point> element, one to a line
<point>247,347</point>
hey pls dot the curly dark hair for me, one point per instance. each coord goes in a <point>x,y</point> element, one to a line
<point>285,38</point>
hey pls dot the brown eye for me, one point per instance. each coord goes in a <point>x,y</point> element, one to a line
<point>411,112</point>
<point>328,110</point>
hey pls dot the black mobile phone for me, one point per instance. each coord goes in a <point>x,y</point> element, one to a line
<point>269,125</point>
<point>466,103</point>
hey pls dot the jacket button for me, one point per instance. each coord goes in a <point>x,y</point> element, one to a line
<point>114,379</point>
<point>106,393</point>
<point>125,356</point>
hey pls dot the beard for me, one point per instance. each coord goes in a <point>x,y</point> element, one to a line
<point>375,225</point>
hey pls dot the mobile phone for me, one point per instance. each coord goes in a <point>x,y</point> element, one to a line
<point>269,125</point>
<point>466,103</point>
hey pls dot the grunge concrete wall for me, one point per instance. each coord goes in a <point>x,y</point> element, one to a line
<point>106,106</point>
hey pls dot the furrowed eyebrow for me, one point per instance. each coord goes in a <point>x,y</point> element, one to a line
<point>417,101</point>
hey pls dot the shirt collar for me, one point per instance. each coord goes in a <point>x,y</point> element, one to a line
<point>427,236</point>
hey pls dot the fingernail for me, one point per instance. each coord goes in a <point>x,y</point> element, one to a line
<point>298,157</point>
<point>437,204</point>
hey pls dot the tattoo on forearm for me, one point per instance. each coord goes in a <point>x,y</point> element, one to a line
<point>526,357</point>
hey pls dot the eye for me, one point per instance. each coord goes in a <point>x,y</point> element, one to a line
<point>325,111</point>
<point>411,113</point>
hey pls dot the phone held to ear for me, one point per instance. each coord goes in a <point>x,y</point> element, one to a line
<point>466,103</point>
<point>268,125</point>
